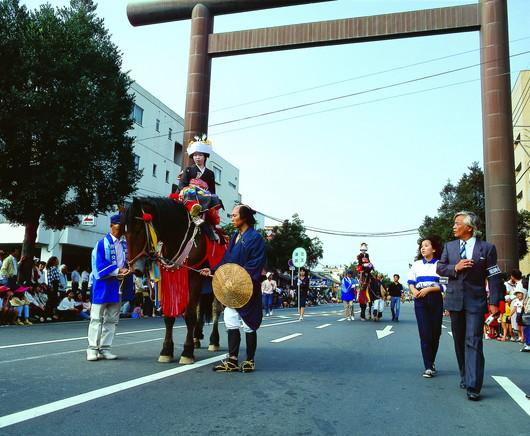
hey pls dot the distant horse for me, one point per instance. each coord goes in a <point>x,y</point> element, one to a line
<point>176,233</point>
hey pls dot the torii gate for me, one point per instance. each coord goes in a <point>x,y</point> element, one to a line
<point>490,17</point>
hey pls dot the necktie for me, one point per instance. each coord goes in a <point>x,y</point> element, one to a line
<point>463,250</point>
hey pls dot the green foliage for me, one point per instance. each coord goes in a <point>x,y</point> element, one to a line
<point>288,236</point>
<point>64,116</point>
<point>468,194</point>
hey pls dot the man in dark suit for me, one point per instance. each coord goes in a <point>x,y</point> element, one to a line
<point>468,262</point>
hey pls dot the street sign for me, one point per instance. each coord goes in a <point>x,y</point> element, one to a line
<point>88,220</point>
<point>290,263</point>
<point>299,257</point>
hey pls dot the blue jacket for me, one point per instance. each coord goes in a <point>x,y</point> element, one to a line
<point>106,288</point>
<point>347,291</point>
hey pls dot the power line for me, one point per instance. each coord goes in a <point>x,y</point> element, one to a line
<point>347,95</point>
<point>407,232</point>
<point>359,77</point>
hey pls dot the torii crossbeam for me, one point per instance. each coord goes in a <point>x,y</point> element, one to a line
<point>488,16</point>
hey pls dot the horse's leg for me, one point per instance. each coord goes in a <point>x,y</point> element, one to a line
<point>166,355</point>
<point>214,337</point>
<point>197,331</point>
<point>190,316</point>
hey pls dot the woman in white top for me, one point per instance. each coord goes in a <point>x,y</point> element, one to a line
<point>424,284</point>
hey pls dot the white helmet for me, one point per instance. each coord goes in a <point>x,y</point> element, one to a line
<point>200,145</point>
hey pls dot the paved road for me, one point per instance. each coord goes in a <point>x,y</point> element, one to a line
<point>329,377</point>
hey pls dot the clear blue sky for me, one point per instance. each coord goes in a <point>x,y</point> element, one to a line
<point>363,165</point>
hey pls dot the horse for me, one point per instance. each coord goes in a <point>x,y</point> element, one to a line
<point>180,240</point>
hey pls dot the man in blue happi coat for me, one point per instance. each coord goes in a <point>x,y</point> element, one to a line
<point>112,283</point>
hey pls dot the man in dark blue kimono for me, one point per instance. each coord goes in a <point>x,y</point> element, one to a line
<point>247,249</point>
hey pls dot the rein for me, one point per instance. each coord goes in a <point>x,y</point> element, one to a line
<point>155,253</point>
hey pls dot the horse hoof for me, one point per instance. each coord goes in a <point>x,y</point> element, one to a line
<point>186,360</point>
<point>165,359</point>
<point>213,347</point>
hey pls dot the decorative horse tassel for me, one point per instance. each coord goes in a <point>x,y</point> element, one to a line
<point>147,217</point>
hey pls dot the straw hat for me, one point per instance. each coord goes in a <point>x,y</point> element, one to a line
<point>232,285</point>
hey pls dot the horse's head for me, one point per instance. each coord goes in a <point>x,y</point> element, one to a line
<point>135,230</point>
<point>168,219</point>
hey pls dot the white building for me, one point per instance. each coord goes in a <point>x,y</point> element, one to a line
<point>158,152</point>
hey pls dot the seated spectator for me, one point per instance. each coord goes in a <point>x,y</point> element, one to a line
<point>37,308</point>
<point>67,310</point>
<point>87,305</point>
<point>8,314</point>
<point>148,306</point>
<point>79,305</point>
<point>21,303</point>
<point>125,310</point>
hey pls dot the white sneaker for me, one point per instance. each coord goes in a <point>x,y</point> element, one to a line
<point>301,318</point>
<point>91,355</point>
<point>271,312</point>
<point>525,349</point>
<point>106,355</point>
<point>428,373</point>
<point>352,318</point>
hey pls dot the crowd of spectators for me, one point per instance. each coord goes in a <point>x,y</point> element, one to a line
<point>49,296</point>
<point>508,325</point>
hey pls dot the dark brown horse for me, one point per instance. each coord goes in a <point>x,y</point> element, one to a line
<point>174,230</point>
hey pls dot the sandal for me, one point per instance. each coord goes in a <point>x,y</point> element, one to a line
<point>248,366</point>
<point>228,365</point>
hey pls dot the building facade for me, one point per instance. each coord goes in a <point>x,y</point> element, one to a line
<point>521,136</point>
<point>158,148</point>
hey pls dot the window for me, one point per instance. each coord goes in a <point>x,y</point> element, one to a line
<point>169,133</point>
<point>136,162</point>
<point>157,127</point>
<point>232,185</point>
<point>217,174</point>
<point>154,170</point>
<point>177,153</point>
<point>167,176</point>
<point>138,115</point>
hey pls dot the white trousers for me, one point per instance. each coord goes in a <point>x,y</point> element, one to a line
<point>379,305</point>
<point>233,321</point>
<point>103,320</point>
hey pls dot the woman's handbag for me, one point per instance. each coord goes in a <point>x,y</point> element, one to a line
<point>525,319</point>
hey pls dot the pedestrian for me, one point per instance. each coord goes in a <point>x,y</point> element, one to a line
<point>468,262</point>
<point>112,282</point>
<point>268,287</point>
<point>424,284</point>
<point>303,285</point>
<point>10,267</point>
<point>525,321</point>
<point>85,275</point>
<point>52,277</point>
<point>375,291</point>
<point>76,278</point>
<point>63,281</point>
<point>395,289</point>
<point>247,249</point>
<point>347,295</point>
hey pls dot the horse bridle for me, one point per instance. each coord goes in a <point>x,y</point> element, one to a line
<point>156,255</point>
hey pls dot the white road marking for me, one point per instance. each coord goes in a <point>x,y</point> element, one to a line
<point>385,332</point>
<point>513,391</point>
<point>55,406</point>
<point>282,317</point>
<point>279,323</point>
<point>323,326</point>
<point>62,353</point>
<point>286,338</point>
<point>80,338</point>
<point>342,319</point>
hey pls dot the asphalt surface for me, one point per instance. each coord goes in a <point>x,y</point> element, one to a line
<point>339,379</point>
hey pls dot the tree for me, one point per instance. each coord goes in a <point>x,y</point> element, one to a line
<point>287,237</point>
<point>468,194</point>
<point>64,115</point>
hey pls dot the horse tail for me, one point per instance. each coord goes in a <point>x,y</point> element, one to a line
<point>205,314</point>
